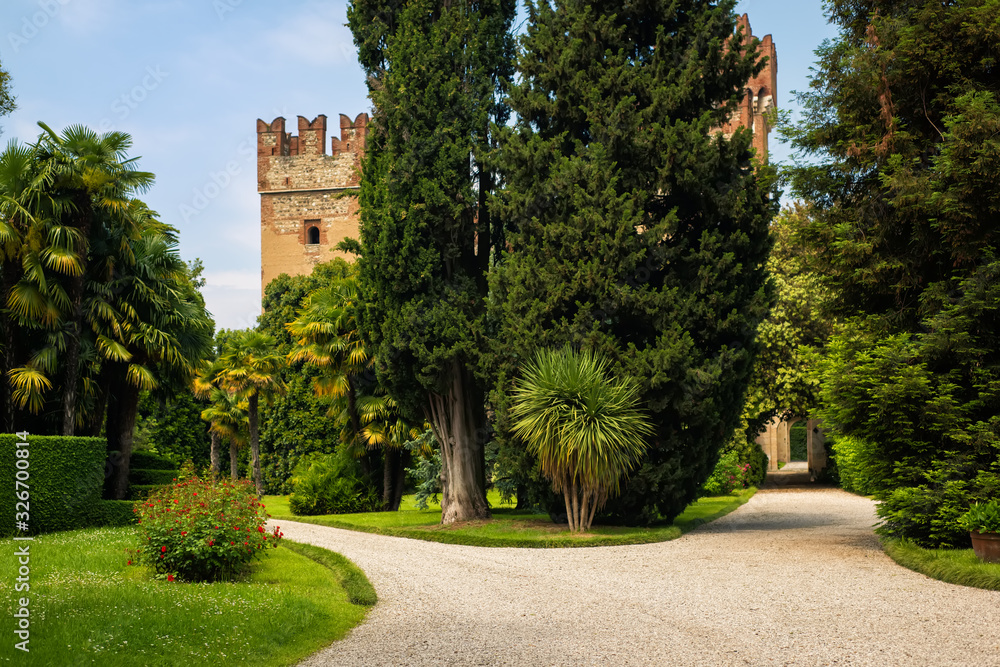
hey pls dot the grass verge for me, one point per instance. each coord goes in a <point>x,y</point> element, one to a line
<point>87,606</point>
<point>510,527</point>
<point>359,590</point>
<point>955,566</point>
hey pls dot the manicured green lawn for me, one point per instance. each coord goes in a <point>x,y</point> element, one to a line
<point>509,527</point>
<point>955,566</point>
<point>89,607</point>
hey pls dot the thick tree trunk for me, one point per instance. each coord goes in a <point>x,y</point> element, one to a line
<point>255,444</point>
<point>458,419</point>
<point>216,454</point>
<point>234,464</point>
<point>393,478</point>
<point>71,374</point>
<point>128,406</point>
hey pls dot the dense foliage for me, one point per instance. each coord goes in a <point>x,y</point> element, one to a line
<point>902,135</point>
<point>172,427</point>
<point>98,304</point>
<point>585,428</point>
<point>199,530</point>
<point>635,229</point>
<point>331,484</point>
<point>435,72</point>
<point>295,423</point>
<point>61,483</point>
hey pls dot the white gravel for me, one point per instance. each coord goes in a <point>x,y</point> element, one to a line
<point>792,578</point>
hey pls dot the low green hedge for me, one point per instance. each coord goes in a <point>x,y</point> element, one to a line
<point>145,477</point>
<point>114,513</point>
<point>148,461</point>
<point>64,478</point>
<point>141,491</point>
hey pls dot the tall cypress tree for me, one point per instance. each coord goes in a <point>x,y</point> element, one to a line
<point>635,229</point>
<point>435,72</point>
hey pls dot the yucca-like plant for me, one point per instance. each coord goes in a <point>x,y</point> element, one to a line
<point>585,427</point>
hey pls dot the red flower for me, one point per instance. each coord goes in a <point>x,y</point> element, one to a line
<point>163,550</point>
<point>246,544</point>
<point>260,529</point>
<point>183,532</point>
<point>130,562</point>
<point>170,577</point>
<point>211,543</point>
<point>232,543</point>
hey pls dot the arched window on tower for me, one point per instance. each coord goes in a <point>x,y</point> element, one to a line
<point>312,235</point>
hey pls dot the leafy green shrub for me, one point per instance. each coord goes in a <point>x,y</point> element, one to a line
<point>798,442</point>
<point>982,517</point>
<point>150,461</point>
<point>198,530</point>
<point>331,484</point>
<point>928,513</point>
<point>425,475</point>
<point>859,466</point>
<point>115,513</point>
<point>144,477</point>
<point>728,476</point>
<point>63,476</point>
<point>142,491</point>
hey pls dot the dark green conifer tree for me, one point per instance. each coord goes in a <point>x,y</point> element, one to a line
<point>635,229</point>
<point>902,134</point>
<point>435,75</point>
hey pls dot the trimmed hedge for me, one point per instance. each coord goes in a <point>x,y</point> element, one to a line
<point>156,477</point>
<point>115,513</point>
<point>149,461</point>
<point>141,491</point>
<point>65,478</point>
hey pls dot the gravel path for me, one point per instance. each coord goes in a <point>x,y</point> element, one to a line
<point>791,578</point>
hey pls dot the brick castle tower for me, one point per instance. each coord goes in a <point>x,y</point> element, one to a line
<point>761,92</point>
<point>308,199</point>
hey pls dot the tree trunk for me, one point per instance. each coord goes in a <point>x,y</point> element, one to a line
<point>393,478</point>
<point>216,455</point>
<point>122,408</point>
<point>71,374</point>
<point>255,444</point>
<point>234,465</point>
<point>458,419</point>
<point>128,406</point>
<point>9,277</point>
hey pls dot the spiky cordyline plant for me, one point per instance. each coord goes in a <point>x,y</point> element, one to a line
<point>586,428</point>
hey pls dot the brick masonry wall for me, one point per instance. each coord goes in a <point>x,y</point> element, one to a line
<point>300,186</point>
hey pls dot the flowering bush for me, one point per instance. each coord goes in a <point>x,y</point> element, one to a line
<point>198,530</point>
<point>729,475</point>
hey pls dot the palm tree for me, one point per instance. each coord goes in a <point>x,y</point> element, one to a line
<point>228,416</point>
<point>326,335</point>
<point>585,428</point>
<point>250,369</point>
<point>152,328</point>
<point>86,181</point>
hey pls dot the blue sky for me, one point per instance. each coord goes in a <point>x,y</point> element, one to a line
<point>188,79</point>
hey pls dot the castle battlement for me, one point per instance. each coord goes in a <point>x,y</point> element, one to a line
<point>308,201</point>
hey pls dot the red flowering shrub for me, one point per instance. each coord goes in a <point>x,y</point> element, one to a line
<point>200,530</point>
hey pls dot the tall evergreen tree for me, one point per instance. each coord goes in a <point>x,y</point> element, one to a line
<point>435,74</point>
<point>636,230</point>
<point>902,132</point>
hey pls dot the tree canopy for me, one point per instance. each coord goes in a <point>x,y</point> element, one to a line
<point>634,229</point>
<point>901,144</point>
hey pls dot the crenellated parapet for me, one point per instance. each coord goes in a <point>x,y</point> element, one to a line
<point>307,196</point>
